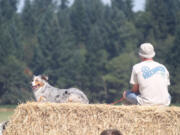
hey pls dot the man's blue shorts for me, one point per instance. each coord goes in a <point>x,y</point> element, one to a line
<point>131,97</point>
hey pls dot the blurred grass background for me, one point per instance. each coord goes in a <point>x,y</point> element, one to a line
<point>6,112</point>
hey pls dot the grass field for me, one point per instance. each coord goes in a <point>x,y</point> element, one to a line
<point>6,111</point>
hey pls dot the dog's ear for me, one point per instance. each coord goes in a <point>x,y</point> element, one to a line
<point>44,77</point>
<point>33,76</point>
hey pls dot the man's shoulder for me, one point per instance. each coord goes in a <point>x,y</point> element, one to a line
<point>138,65</point>
<point>159,64</point>
<point>149,64</point>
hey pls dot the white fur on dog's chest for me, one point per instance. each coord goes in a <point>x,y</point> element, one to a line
<point>42,92</point>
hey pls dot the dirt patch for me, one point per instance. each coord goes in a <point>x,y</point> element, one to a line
<point>6,109</point>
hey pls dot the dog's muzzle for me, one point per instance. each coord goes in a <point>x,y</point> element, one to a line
<point>35,87</point>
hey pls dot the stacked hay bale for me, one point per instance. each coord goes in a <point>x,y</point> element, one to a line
<point>82,119</point>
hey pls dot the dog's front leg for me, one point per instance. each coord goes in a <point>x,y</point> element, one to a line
<point>41,99</point>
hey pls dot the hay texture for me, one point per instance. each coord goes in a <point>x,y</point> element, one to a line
<point>91,119</point>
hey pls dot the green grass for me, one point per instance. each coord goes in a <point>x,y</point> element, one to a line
<point>6,111</point>
<point>177,104</point>
<point>5,115</point>
<point>8,106</point>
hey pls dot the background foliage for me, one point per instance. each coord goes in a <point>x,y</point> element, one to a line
<point>87,45</point>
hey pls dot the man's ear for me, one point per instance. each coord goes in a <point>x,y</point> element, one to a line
<point>44,77</point>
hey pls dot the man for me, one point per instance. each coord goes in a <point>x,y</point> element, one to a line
<point>111,132</point>
<point>150,80</point>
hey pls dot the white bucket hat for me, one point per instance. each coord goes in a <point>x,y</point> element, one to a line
<point>146,50</point>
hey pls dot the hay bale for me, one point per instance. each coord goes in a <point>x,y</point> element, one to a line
<point>92,119</point>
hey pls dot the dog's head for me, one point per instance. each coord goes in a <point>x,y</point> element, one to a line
<point>39,81</point>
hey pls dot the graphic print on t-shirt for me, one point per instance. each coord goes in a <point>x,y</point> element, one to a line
<point>147,72</point>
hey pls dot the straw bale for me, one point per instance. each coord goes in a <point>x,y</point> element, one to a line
<point>91,119</point>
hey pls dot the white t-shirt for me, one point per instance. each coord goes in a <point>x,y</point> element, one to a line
<point>153,80</point>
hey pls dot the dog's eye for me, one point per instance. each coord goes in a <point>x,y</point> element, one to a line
<point>36,81</point>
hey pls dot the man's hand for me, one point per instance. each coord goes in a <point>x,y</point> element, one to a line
<point>124,94</point>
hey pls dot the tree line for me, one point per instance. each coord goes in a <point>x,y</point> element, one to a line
<point>88,45</point>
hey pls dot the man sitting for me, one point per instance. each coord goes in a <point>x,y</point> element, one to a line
<point>150,80</point>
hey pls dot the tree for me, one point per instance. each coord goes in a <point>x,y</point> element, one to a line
<point>12,78</point>
<point>125,6</point>
<point>80,21</point>
<point>163,23</point>
<point>118,75</point>
<point>14,88</point>
<point>174,65</point>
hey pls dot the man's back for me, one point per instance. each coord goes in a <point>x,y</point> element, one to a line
<point>149,80</point>
<point>153,80</point>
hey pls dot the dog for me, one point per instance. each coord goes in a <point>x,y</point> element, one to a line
<point>44,92</point>
<point>3,126</point>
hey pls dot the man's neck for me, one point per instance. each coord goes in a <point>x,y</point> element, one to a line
<point>147,59</point>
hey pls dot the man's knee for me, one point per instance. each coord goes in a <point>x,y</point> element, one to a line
<point>131,97</point>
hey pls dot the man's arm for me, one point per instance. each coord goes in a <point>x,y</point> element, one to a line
<point>135,88</point>
<point>134,81</point>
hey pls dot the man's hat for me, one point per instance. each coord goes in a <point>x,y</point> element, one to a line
<point>146,50</point>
